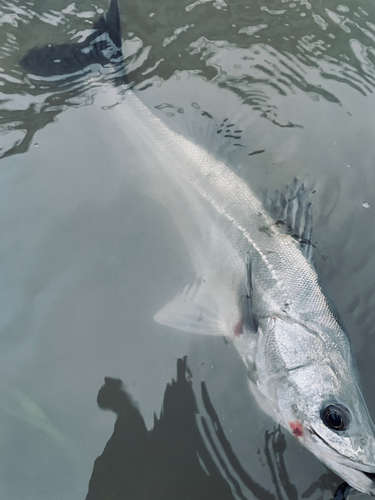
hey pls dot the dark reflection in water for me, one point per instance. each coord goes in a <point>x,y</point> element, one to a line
<point>178,458</point>
<point>162,463</point>
<point>343,491</point>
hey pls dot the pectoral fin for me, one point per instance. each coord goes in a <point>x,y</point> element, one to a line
<point>249,314</point>
<point>194,310</point>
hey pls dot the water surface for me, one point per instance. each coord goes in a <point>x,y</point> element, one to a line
<point>87,260</point>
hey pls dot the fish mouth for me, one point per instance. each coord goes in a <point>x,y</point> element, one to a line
<point>358,478</point>
<point>371,475</point>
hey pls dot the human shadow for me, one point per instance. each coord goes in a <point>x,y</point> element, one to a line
<point>185,456</point>
<point>163,463</point>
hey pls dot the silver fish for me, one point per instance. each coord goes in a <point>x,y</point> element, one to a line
<point>257,285</point>
<point>256,282</point>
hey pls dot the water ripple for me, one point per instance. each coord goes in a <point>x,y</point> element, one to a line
<point>263,53</point>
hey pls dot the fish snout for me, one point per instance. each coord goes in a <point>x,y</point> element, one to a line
<point>360,474</point>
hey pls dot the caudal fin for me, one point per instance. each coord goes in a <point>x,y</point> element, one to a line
<point>103,46</point>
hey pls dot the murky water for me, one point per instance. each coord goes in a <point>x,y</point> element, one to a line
<point>87,260</point>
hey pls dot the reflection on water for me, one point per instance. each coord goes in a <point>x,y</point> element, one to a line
<point>170,461</point>
<point>178,457</point>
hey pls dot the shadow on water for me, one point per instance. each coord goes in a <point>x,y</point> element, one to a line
<point>178,458</point>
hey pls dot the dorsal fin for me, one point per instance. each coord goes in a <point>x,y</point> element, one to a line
<point>293,210</point>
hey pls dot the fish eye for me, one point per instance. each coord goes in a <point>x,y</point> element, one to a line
<point>336,417</point>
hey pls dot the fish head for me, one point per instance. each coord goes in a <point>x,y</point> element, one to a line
<point>329,416</point>
<point>342,437</point>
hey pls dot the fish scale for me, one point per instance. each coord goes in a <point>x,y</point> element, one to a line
<point>200,178</point>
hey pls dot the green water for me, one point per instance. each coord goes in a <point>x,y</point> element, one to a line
<point>86,261</point>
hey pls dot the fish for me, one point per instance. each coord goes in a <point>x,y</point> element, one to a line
<point>255,282</point>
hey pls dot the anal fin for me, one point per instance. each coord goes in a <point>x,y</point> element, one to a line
<point>250,317</point>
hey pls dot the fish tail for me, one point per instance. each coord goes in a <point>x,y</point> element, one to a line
<point>102,46</point>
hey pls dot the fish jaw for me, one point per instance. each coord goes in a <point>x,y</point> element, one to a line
<point>350,453</point>
<point>359,476</point>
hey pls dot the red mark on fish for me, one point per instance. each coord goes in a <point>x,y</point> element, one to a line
<point>237,329</point>
<point>297,429</point>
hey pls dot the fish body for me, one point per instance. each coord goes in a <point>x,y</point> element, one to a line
<point>255,284</point>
